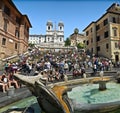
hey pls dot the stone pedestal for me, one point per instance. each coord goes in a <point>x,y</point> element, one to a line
<point>102,85</point>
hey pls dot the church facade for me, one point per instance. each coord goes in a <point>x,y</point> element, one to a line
<point>54,36</point>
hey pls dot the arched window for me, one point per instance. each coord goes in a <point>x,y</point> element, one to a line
<point>60,28</point>
<point>48,27</point>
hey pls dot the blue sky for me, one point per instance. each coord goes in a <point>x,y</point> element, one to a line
<point>73,13</point>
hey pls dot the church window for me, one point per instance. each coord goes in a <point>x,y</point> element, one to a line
<point>48,27</point>
<point>60,28</point>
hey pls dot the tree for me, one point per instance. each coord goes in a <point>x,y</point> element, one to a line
<point>31,45</point>
<point>67,42</point>
<point>80,45</point>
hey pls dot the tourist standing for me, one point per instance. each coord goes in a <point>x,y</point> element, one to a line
<point>66,67</point>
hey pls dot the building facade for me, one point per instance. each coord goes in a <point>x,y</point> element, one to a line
<point>53,37</point>
<point>34,39</point>
<point>14,30</point>
<point>77,38</point>
<point>103,35</point>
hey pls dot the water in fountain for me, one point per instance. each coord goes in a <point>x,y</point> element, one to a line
<point>90,94</point>
<point>25,103</point>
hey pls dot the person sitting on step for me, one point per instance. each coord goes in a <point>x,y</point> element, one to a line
<point>4,82</point>
<point>12,80</point>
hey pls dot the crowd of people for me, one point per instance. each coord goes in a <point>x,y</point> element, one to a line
<point>7,78</point>
<point>53,66</point>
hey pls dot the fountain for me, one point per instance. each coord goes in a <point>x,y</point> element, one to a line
<point>97,97</point>
<point>89,95</point>
<point>101,81</point>
<point>89,99</point>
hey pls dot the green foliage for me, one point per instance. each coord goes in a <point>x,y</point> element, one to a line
<point>31,45</point>
<point>80,45</point>
<point>67,42</point>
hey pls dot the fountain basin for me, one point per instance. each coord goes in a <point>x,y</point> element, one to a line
<point>88,97</point>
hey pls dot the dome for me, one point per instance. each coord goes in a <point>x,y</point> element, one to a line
<point>76,30</point>
<point>49,23</point>
<point>60,24</point>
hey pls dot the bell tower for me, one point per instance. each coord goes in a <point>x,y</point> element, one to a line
<point>60,26</point>
<point>49,26</point>
<point>61,32</point>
